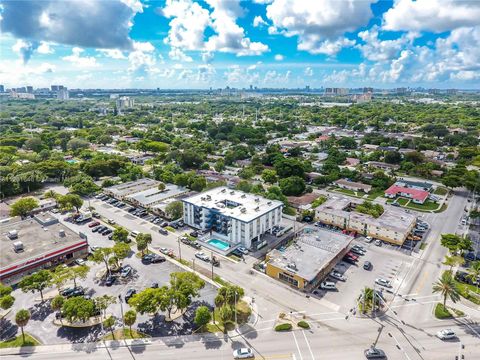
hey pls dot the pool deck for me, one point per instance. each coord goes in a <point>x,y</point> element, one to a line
<point>204,242</point>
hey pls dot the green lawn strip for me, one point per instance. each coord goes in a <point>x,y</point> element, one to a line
<point>18,342</point>
<point>442,208</point>
<point>125,334</point>
<point>169,228</point>
<point>440,191</point>
<point>442,312</point>
<point>469,292</point>
<point>374,194</point>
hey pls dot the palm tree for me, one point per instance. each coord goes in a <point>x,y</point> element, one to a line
<point>21,319</point>
<point>453,260</point>
<point>219,302</point>
<point>129,319</point>
<point>447,287</point>
<point>475,273</point>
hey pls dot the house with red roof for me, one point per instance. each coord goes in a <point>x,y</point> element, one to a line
<point>417,196</point>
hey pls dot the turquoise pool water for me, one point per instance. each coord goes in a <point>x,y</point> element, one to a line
<point>219,244</point>
<point>72,161</point>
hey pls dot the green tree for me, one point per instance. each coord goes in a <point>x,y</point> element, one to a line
<point>129,318</point>
<point>142,241</point>
<point>78,272</point>
<point>474,273</point>
<point>202,316</point>
<point>219,165</point>
<point>149,301</point>
<point>109,324</point>
<point>102,255</point>
<point>454,243</point>
<point>120,252</point>
<point>57,304</point>
<point>161,186</point>
<point>70,201</point>
<point>120,234</point>
<point>34,144</point>
<point>6,299</point>
<point>225,314</point>
<point>103,302</point>
<point>292,186</point>
<point>447,287</point>
<point>453,260</point>
<point>78,308</point>
<point>269,176</point>
<point>38,281</point>
<point>174,210</point>
<point>77,144</point>
<point>21,319</point>
<point>23,207</point>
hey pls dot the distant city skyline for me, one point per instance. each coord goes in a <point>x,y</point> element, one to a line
<point>186,44</point>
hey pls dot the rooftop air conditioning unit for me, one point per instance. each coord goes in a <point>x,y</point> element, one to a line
<point>17,246</point>
<point>257,208</point>
<point>243,210</point>
<point>232,192</point>
<point>244,196</point>
<point>257,199</point>
<point>61,233</point>
<point>13,234</point>
<point>224,190</point>
<point>269,203</point>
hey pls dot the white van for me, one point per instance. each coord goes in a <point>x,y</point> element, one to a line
<point>134,234</point>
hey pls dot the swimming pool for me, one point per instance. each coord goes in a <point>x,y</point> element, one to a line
<point>219,244</point>
<point>72,161</point>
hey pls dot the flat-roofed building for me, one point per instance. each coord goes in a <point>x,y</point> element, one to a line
<point>417,196</point>
<point>232,215</point>
<point>306,262</point>
<point>153,196</point>
<point>120,191</point>
<point>352,185</point>
<point>383,165</point>
<point>393,225</point>
<point>27,246</point>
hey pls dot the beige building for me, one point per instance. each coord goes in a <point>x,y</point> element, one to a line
<point>393,226</point>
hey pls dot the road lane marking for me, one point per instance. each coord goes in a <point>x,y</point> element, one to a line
<point>298,347</point>
<point>308,345</point>
<point>279,356</point>
<point>422,281</point>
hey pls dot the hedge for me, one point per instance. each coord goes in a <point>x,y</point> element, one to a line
<point>303,324</point>
<point>283,327</point>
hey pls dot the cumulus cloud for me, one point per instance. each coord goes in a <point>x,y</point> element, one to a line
<point>24,49</point>
<point>259,22</point>
<point>142,60</point>
<point>82,23</point>
<point>112,53</point>
<point>319,25</point>
<point>80,61</point>
<point>207,57</point>
<point>178,55</point>
<point>45,48</point>
<point>190,21</point>
<point>279,57</point>
<point>431,15</point>
<point>308,71</point>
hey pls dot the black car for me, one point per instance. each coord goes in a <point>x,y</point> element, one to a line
<point>367,265</point>
<point>154,285</point>
<point>194,234</point>
<point>163,231</point>
<point>164,224</point>
<point>152,258</point>
<point>70,292</point>
<point>110,280</point>
<point>374,353</point>
<point>129,294</point>
<point>107,231</point>
<point>131,210</point>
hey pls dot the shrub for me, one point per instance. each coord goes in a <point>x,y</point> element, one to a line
<point>283,327</point>
<point>442,312</point>
<point>303,324</point>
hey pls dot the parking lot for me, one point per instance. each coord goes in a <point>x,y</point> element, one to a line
<point>387,264</point>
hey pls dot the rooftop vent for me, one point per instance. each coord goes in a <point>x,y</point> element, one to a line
<point>224,190</point>
<point>292,266</point>
<point>243,210</point>
<point>209,197</point>
<point>244,196</point>
<point>17,246</point>
<point>257,209</point>
<point>232,192</point>
<point>257,199</point>
<point>61,233</point>
<point>12,234</point>
<point>269,203</point>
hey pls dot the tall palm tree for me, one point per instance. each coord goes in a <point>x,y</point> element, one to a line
<point>447,287</point>
<point>21,319</point>
<point>219,302</point>
<point>453,260</point>
<point>474,273</point>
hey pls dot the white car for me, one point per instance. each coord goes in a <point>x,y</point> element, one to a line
<point>378,242</point>
<point>80,262</point>
<point>368,239</point>
<point>338,276</point>
<point>328,285</point>
<point>243,250</point>
<point>383,282</point>
<point>202,256</point>
<point>243,353</point>
<point>446,334</point>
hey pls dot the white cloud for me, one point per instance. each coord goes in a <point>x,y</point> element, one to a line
<point>45,48</point>
<point>207,57</point>
<point>143,46</point>
<point>82,62</point>
<point>431,15</point>
<point>178,55</point>
<point>112,53</point>
<point>319,25</point>
<point>308,71</point>
<point>259,22</point>
<point>279,57</point>
<point>375,49</point>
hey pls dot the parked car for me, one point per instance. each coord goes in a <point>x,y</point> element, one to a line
<point>93,224</point>
<point>328,285</point>
<point>383,282</point>
<point>243,250</point>
<point>107,231</point>
<point>349,260</point>
<point>111,221</point>
<point>97,228</point>
<point>69,291</point>
<point>215,261</point>
<point>163,224</point>
<point>154,285</point>
<point>194,234</point>
<point>243,353</point>
<point>367,265</point>
<point>338,276</point>
<point>110,280</point>
<point>378,242</point>
<point>446,334</point>
<point>130,292</point>
<point>163,231</point>
<point>152,258</point>
<point>202,256</point>
<point>131,210</point>
<point>126,270</point>
<point>368,239</point>
<point>357,251</point>
<point>168,252</point>
<point>374,353</point>
<point>80,262</point>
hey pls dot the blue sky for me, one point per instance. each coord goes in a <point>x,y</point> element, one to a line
<point>218,43</point>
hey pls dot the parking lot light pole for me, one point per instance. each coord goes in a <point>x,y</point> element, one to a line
<point>212,263</point>
<point>121,309</point>
<point>179,248</point>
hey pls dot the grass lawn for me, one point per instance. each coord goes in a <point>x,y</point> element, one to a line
<point>243,313</point>
<point>442,208</point>
<point>121,334</point>
<point>402,201</point>
<point>169,228</point>
<point>423,246</point>
<point>346,191</point>
<point>440,191</point>
<point>18,342</point>
<point>374,194</point>
<point>469,292</point>
<point>441,312</point>
<point>426,206</point>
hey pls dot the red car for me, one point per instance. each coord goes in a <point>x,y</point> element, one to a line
<point>93,224</point>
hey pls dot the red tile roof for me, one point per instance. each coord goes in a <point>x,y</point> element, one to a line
<point>420,195</point>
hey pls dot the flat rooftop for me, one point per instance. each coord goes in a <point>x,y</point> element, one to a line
<point>153,195</point>
<point>314,250</point>
<point>132,187</point>
<point>392,218</point>
<point>234,203</point>
<point>37,240</point>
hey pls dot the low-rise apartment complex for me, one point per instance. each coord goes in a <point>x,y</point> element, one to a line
<point>393,226</point>
<point>232,215</point>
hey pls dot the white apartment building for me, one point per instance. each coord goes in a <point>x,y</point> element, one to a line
<point>232,215</point>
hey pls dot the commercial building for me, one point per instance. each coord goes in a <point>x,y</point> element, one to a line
<point>231,215</point>
<point>393,225</point>
<point>27,246</point>
<point>306,262</point>
<point>419,185</point>
<point>417,196</point>
<point>122,190</point>
<point>63,94</point>
<point>124,102</point>
<point>153,196</point>
<point>352,185</point>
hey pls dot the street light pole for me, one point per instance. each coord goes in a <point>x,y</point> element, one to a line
<point>179,248</point>
<point>236,308</point>
<point>121,309</point>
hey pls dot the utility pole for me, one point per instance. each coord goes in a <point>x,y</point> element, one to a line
<point>121,309</point>
<point>212,263</point>
<point>236,307</point>
<point>179,248</point>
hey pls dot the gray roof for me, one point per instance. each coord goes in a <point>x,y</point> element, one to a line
<point>154,196</point>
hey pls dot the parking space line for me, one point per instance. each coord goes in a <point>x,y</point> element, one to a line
<point>298,347</point>
<point>308,345</point>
